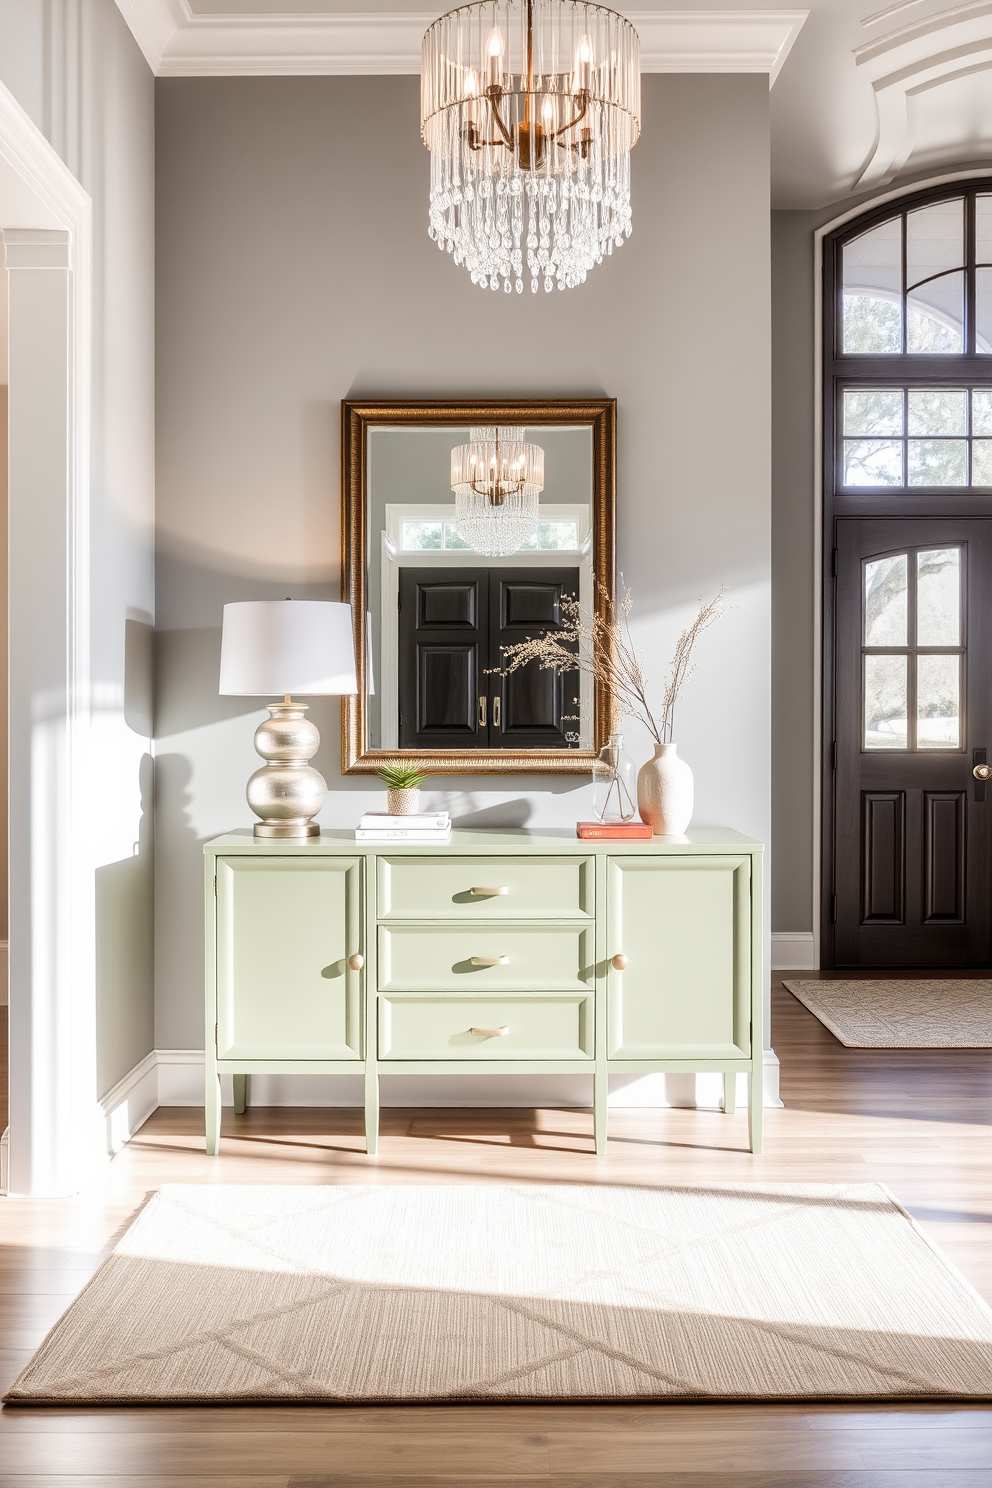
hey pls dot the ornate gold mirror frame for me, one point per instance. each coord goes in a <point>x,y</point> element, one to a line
<point>357,419</point>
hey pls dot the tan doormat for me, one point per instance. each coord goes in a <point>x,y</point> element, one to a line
<point>763,1292</point>
<point>938,1014</point>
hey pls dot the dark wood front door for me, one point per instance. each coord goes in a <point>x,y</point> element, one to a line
<point>452,625</point>
<point>913,711</point>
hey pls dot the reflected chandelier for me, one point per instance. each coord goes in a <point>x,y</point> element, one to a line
<point>530,109</point>
<point>497,478</point>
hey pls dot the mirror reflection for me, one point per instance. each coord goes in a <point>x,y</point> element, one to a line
<point>475,534</point>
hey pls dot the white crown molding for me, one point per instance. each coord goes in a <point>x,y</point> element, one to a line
<point>178,43</point>
<point>907,65</point>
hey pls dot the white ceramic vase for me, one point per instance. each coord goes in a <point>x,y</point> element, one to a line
<point>664,792</point>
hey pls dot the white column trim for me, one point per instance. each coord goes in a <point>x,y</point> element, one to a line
<point>55,1132</point>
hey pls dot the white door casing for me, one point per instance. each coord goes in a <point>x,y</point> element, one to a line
<point>57,1132</point>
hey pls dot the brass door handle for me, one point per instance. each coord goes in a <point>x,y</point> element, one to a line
<point>490,960</point>
<point>482,712</point>
<point>488,893</point>
<point>619,961</point>
<point>356,962</point>
<point>496,712</point>
<point>982,772</point>
<point>489,1032</point>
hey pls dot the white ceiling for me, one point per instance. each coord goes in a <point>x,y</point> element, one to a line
<point>862,92</point>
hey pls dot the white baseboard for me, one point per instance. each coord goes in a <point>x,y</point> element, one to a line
<point>131,1101</point>
<point>793,950</point>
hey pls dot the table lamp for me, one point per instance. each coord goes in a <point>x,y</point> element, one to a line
<point>284,646</point>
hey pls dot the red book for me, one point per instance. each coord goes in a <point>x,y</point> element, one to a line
<point>632,831</point>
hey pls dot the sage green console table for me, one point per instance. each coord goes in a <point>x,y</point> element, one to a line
<point>522,952</point>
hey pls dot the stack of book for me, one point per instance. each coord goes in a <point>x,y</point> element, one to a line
<point>628,831</point>
<point>379,826</point>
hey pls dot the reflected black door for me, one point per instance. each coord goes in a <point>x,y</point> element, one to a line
<point>452,624</point>
<point>914,716</point>
<point>532,708</point>
<point>443,646</point>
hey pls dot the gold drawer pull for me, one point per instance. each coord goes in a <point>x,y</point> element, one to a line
<point>490,960</point>
<point>489,1032</point>
<point>619,961</point>
<point>356,962</point>
<point>489,893</point>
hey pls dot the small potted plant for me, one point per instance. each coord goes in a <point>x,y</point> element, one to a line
<point>403,788</point>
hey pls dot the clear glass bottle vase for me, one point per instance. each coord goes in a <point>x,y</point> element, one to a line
<point>614,797</point>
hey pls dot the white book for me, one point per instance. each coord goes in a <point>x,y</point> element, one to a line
<point>382,819</point>
<point>419,835</point>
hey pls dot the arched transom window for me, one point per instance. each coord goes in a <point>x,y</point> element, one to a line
<point>911,342</point>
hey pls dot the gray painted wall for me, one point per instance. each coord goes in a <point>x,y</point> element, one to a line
<point>77,71</point>
<point>293,272</point>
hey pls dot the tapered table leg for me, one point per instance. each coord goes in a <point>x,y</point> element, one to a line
<point>756,1108</point>
<point>600,1094</point>
<point>240,1093</point>
<point>212,1109</point>
<point>371,1110</point>
<point>730,1093</point>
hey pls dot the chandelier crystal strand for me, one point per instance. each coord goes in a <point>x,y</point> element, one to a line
<point>530,109</point>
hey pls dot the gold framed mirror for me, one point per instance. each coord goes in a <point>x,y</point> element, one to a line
<point>464,526</point>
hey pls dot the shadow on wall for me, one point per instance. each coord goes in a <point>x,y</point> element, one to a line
<point>124,950</point>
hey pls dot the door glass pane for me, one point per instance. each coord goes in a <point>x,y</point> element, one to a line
<point>885,601</point>
<point>938,597</point>
<point>872,290</point>
<point>874,412</point>
<point>981,411</point>
<point>938,411</point>
<point>934,240</point>
<point>872,462</point>
<point>935,315</point>
<point>885,702</point>
<point>981,462</point>
<point>937,462</point>
<point>983,311</point>
<point>937,708</point>
<point>983,229</point>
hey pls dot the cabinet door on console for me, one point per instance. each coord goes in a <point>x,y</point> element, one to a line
<point>285,931</point>
<point>683,924</point>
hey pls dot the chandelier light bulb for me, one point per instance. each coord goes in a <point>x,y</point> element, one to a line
<point>530,174</point>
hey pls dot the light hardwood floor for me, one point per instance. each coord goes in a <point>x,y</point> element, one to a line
<point>918,1121</point>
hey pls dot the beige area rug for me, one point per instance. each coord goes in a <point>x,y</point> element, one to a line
<point>938,1014</point>
<point>770,1291</point>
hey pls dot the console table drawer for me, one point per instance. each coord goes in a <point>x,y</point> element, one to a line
<point>479,959</point>
<point>451,888</point>
<point>441,1027</point>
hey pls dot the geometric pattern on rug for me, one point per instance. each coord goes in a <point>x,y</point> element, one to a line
<point>939,1014</point>
<point>764,1291</point>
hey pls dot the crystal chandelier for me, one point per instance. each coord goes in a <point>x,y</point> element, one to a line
<point>496,478</point>
<point>530,109</point>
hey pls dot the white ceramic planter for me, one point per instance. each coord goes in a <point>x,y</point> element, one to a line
<point>405,802</point>
<point>665,792</point>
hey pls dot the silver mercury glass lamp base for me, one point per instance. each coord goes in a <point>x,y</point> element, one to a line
<point>287,792</point>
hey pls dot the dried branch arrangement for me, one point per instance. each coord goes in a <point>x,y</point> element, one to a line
<point>601,646</point>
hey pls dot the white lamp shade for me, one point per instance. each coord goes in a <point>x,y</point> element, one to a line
<point>272,646</point>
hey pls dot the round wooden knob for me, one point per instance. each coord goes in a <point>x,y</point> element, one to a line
<point>356,962</point>
<point>619,961</point>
